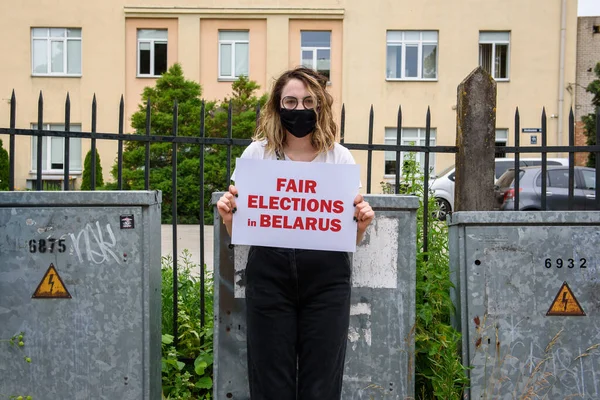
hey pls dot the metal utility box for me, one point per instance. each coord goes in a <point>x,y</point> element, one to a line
<point>528,295</point>
<point>380,351</point>
<point>80,276</point>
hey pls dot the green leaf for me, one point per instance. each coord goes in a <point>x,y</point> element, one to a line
<point>199,367</point>
<point>167,339</point>
<point>204,383</point>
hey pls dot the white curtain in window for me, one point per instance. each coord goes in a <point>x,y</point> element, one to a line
<point>226,60</point>
<point>40,56</point>
<point>494,36</point>
<point>233,35</point>
<point>394,61</point>
<point>152,34</point>
<point>56,152</point>
<point>57,56</point>
<point>34,152</point>
<point>57,32</point>
<point>73,57</point>
<point>74,33</point>
<point>241,59</point>
<point>75,162</point>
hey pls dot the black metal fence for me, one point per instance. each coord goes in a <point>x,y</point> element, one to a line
<point>202,141</point>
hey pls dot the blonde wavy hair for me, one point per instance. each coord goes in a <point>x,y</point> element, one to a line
<point>270,128</point>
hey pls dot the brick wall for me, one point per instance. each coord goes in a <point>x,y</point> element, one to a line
<point>580,138</point>
<point>588,55</point>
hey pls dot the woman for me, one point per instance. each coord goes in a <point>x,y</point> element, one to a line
<point>297,301</point>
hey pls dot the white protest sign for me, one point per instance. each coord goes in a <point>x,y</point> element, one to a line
<point>298,205</point>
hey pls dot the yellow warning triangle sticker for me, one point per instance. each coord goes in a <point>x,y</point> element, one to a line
<point>51,286</point>
<point>565,303</point>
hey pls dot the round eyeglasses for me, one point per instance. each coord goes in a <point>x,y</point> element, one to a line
<point>290,102</point>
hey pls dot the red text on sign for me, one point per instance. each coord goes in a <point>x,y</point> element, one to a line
<point>300,223</point>
<point>298,186</point>
<point>295,204</point>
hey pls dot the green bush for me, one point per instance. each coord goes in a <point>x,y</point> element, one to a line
<point>589,120</point>
<point>3,168</point>
<point>439,372</point>
<point>171,86</point>
<point>186,370</point>
<point>86,182</point>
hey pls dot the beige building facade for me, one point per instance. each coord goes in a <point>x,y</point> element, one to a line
<point>380,53</point>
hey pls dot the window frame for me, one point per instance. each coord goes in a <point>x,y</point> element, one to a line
<point>493,63</point>
<point>48,150</point>
<point>403,44</point>
<point>421,132</point>
<point>232,43</point>
<point>504,140</point>
<point>65,40</point>
<point>152,42</point>
<point>314,50</point>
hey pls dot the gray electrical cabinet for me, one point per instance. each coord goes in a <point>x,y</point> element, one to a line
<point>528,296</point>
<point>380,349</point>
<point>80,277</point>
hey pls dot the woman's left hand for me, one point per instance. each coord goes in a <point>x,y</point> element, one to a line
<point>363,213</point>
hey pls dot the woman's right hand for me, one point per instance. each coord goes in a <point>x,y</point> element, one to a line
<point>227,207</point>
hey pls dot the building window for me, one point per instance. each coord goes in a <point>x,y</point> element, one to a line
<point>233,54</point>
<point>152,52</point>
<point>56,51</point>
<point>501,141</point>
<point>494,53</point>
<point>409,137</point>
<point>412,55</point>
<point>53,150</point>
<point>316,51</point>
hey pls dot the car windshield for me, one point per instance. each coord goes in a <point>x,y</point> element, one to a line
<point>507,179</point>
<point>445,171</point>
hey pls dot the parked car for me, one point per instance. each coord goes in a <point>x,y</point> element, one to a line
<point>443,184</point>
<point>557,188</point>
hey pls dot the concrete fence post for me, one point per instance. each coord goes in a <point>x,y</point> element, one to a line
<point>475,139</point>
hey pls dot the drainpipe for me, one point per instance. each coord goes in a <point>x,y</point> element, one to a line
<point>561,74</point>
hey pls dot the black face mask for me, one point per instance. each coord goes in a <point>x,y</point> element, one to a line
<point>298,122</point>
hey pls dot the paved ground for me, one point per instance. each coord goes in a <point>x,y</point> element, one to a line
<point>189,238</point>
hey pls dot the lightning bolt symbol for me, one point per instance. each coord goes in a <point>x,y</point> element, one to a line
<point>565,300</point>
<point>51,282</point>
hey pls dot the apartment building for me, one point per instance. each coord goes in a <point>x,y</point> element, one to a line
<point>382,53</point>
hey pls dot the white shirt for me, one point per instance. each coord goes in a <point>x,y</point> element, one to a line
<point>337,155</point>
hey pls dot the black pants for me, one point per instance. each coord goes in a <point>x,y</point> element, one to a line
<point>298,306</point>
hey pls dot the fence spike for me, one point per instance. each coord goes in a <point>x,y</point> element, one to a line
<point>147,145</point>
<point>398,152</point>
<point>120,144</point>
<point>517,157</point>
<point>342,123</point>
<point>12,156</point>
<point>370,151</point>
<point>40,139</point>
<point>93,149</point>
<point>67,144</point>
